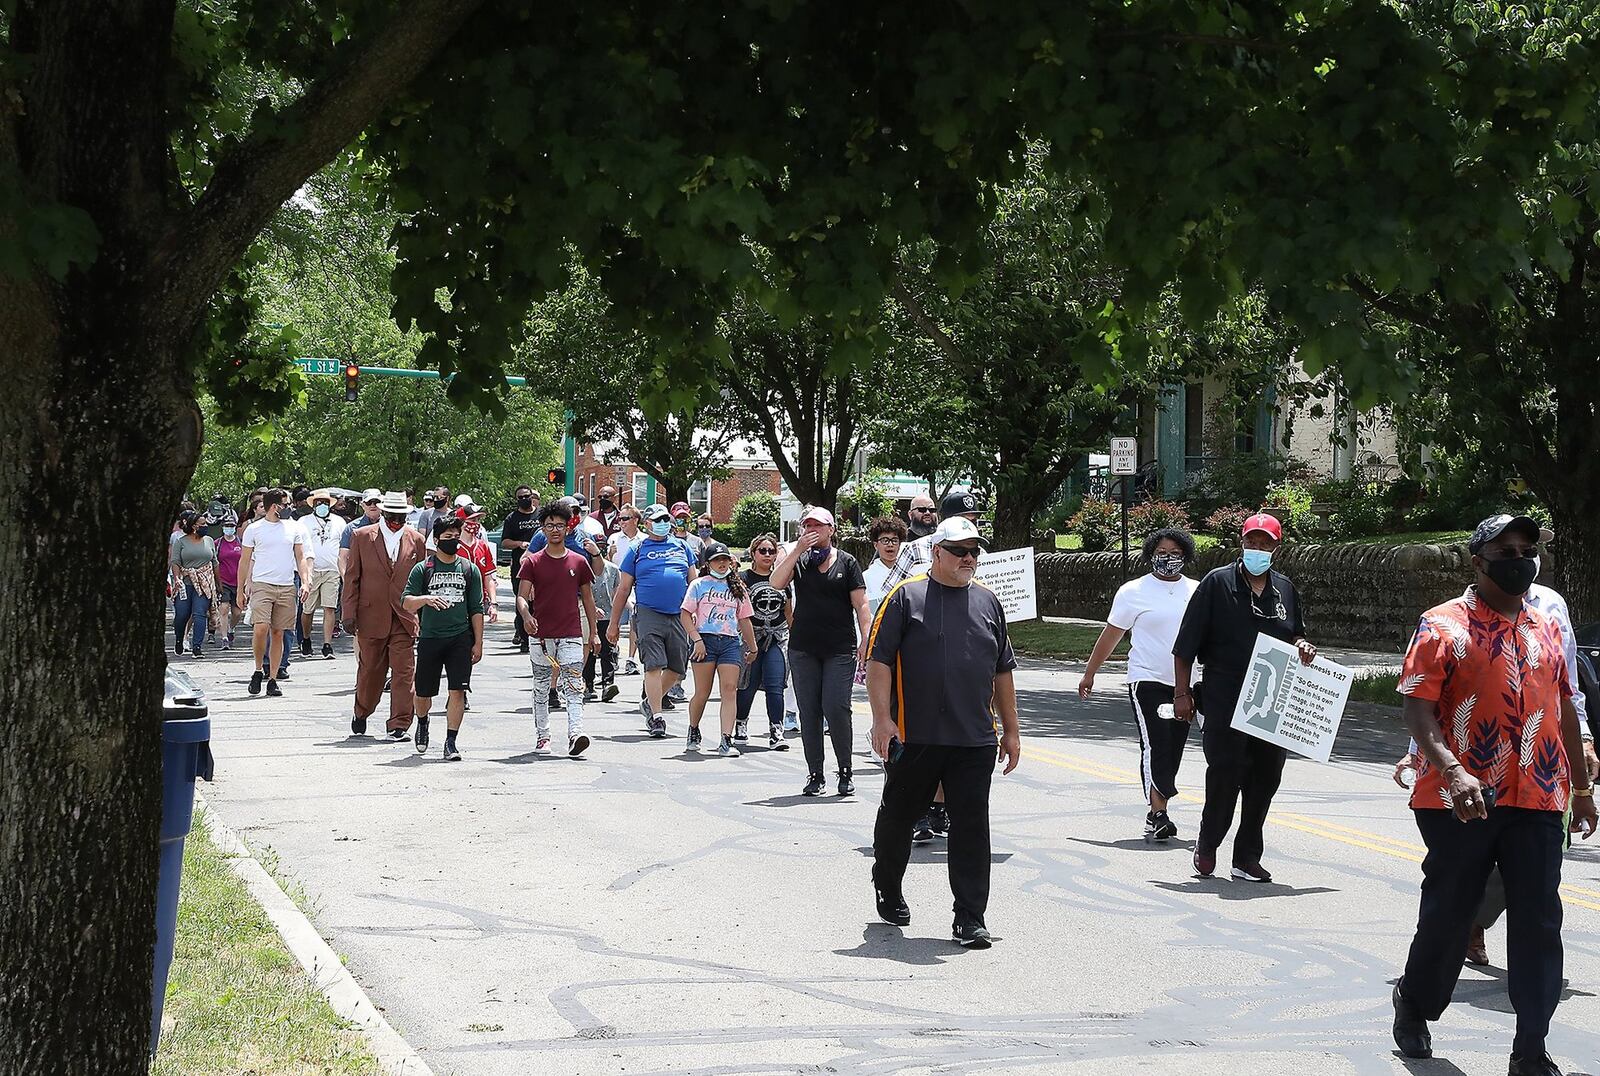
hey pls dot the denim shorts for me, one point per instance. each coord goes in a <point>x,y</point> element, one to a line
<point>722,650</point>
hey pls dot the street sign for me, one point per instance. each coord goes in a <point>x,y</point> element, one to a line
<point>326,367</point>
<point>1124,455</point>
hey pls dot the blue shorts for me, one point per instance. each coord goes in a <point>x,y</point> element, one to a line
<point>722,650</point>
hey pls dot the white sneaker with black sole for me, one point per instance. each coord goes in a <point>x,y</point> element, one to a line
<point>577,745</point>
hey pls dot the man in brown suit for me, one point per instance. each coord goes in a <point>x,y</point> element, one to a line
<point>381,559</point>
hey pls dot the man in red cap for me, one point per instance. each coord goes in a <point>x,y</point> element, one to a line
<point>1231,607</point>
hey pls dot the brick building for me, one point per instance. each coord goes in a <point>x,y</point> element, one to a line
<point>752,471</point>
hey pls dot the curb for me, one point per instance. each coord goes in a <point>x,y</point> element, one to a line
<point>327,971</point>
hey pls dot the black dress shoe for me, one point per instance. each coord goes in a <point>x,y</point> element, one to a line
<point>1411,1030</point>
<point>892,907</point>
<point>1543,1065</point>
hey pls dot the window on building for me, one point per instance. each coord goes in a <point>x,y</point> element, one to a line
<point>640,489</point>
<point>1244,431</point>
<point>1194,420</point>
<point>700,497</point>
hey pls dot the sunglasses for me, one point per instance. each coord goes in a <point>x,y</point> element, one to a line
<point>962,551</point>
<point>766,551</point>
<point>930,508</point>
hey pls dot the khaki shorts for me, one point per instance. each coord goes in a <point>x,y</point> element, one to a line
<point>272,605</point>
<point>324,589</point>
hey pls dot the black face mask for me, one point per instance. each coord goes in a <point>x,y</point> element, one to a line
<point>1514,575</point>
<point>524,503</point>
<point>448,546</point>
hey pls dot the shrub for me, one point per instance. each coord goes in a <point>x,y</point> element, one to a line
<point>1099,524</point>
<point>1224,523</point>
<point>865,500</point>
<point>1362,515</point>
<point>1294,502</point>
<point>1154,515</point>
<point>756,512</point>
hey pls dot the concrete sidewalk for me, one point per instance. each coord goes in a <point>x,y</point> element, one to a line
<point>644,910</point>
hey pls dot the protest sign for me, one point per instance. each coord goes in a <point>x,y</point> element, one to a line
<point>1293,705</point>
<point>1009,573</point>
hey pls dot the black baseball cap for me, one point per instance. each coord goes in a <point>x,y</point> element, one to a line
<point>957,504</point>
<point>1495,526</point>
<point>714,549</point>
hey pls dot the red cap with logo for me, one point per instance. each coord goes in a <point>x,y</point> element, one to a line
<point>1261,521</point>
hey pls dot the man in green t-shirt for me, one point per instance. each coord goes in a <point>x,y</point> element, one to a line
<point>446,593</point>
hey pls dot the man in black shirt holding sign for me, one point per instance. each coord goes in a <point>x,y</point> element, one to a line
<point>520,525</point>
<point>938,657</point>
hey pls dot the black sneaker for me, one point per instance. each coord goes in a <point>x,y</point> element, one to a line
<point>741,731</point>
<point>305,648</point>
<point>358,726</point>
<point>667,703</point>
<point>577,745</point>
<point>610,692</point>
<point>775,739</point>
<point>398,735</point>
<point>814,785</point>
<point>327,650</point>
<point>847,787</point>
<point>420,741</point>
<point>892,908</point>
<point>590,696</point>
<point>450,752</point>
<point>177,648</point>
<point>273,690</point>
<point>658,727</point>
<point>939,820</point>
<point>922,832</point>
<point>197,653</point>
<point>283,672</point>
<point>255,682</point>
<point>1158,827</point>
<point>970,933</point>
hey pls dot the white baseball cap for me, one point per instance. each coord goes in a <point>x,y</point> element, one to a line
<point>958,529</point>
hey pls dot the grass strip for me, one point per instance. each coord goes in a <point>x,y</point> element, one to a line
<point>237,1000</point>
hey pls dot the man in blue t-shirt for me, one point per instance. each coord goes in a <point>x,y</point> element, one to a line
<point>660,566</point>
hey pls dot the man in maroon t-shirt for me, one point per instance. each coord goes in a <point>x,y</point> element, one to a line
<point>551,584</point>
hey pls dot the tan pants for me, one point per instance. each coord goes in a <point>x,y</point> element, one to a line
<point>393,656</point>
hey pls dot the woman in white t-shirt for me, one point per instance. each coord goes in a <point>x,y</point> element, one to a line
<point>1152,608</point>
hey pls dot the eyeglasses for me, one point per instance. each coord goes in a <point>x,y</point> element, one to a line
<point>555,525</point>
<point>962,552</point>
<point>889,538</point>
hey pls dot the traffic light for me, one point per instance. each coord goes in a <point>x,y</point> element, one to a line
<point>352,382</point>
<point>557,477</point>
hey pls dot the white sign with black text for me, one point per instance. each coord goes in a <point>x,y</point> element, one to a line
<point>1009,573</point>
<point>1291,704</point>
<point>1124,455</point>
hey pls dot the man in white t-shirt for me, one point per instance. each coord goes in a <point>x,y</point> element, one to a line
<point>324,528</point>
<point>1152,607</point>
<point>273,550</point>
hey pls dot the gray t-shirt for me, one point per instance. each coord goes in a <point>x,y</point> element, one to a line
<point>194,554</point>
<point>945,645</point>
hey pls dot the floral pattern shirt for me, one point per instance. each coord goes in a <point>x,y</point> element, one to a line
<point>1498,683</point>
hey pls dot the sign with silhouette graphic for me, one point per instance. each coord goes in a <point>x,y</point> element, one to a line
<point>1290,704</point>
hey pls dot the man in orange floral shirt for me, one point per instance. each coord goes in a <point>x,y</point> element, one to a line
<point>1489,704</point>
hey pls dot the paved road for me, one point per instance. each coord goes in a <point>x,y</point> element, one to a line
<point>646,911</point>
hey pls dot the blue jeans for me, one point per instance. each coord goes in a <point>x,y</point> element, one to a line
<point>822,687</point>
<point>195,607</point>
<point>767,674</point>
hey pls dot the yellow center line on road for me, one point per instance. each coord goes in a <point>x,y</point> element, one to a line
<point>1316,827</point>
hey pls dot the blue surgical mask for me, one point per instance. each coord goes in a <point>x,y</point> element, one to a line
<point>322,511</point>
<point>661,528</point>
<point>720,573</point>
<point>1257,561</point>
<point>816,557</point>
<point>229,532</point>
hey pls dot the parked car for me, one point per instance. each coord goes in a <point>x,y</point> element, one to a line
<point>1588,636</point>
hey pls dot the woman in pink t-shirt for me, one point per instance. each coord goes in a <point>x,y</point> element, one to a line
<point>716,614</point>
<point>228,550</point>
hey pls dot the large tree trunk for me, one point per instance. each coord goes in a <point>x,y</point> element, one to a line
<point>1013,518</point>
<point>1576,521</point>
<point>100,437</point>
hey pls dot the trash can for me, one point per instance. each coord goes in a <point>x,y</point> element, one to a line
<point>185,755</point>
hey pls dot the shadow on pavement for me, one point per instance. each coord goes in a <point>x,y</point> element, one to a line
<point>797,800</point>
<point>349,741</point>
<point>933,852</point>
<point>1228,889</point>
<point>880,941</point>
<point>1433,1066</point>
<point>1490,992</point>
<point>1367,733</point>
<point>1138,844</point>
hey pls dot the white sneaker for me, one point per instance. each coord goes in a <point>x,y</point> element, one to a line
<point>727,750</point>
<point>631,669</point>
<point>543,746</point>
